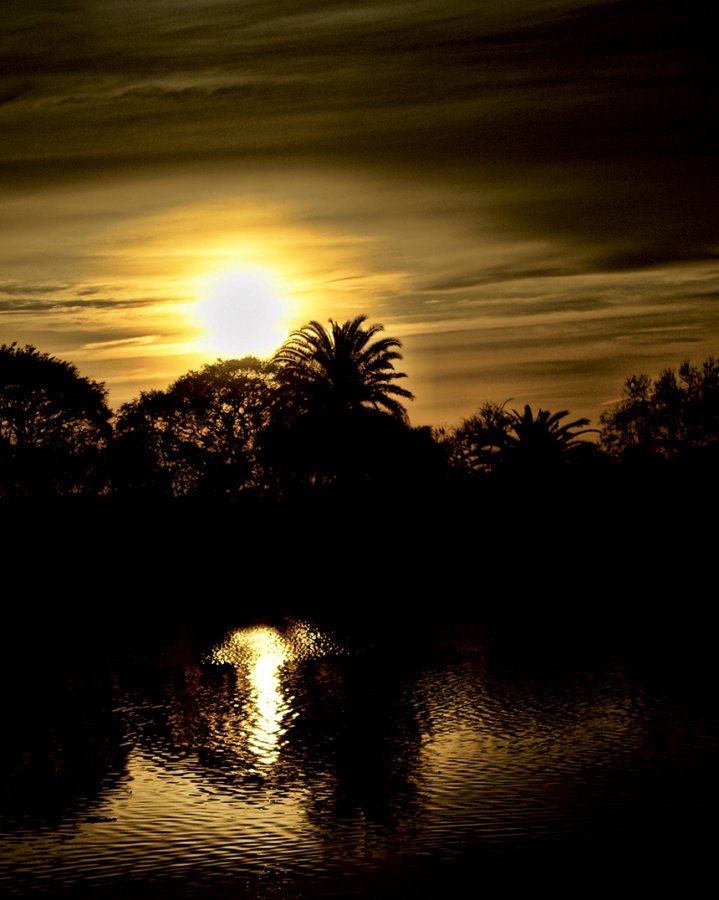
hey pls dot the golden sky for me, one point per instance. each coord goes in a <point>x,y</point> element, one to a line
<point>524,193</point>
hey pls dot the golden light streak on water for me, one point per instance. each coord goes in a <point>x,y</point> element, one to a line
<point>270,654</point>
<point>259,653</point>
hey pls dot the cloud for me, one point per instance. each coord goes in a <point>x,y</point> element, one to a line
<point>141,340</point>
<point>586,125</point>
<point>15,289</point>
<point>54,299</point>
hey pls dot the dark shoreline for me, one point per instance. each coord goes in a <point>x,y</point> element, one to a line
<point>585,560</point>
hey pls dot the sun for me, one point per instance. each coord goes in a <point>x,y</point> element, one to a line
<point>241,312</point>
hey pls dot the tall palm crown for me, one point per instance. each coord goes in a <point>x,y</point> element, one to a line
<point>344,368</point>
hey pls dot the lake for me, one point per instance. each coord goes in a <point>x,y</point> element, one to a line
<point>292,759</point>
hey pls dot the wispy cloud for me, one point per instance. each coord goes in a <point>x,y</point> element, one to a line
<point>141,341</point>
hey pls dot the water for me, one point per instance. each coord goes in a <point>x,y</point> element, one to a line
<point>296,761</point>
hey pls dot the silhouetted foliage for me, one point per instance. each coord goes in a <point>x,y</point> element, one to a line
<point>54,424</point>
<point>542,442</point>
<point>343,368</point>
<point>476,444</point>
<point>326,412</point>
<point>200,436</point>
<point>350,451</point>
<point>495,439</point>
<point>667,419</point>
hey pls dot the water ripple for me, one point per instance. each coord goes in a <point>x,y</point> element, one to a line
<point>280,757</point>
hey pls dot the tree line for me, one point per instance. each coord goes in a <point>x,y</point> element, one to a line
<point>328,411</point>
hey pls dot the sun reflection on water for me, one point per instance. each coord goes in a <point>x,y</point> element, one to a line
<point>270,707</point>
<point>258,654</point>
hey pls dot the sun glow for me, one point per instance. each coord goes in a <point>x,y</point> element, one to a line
<point>242,312</point>
<point>202,272</point>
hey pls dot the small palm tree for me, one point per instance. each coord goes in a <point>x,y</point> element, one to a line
<point>343,368</point>
<point>541,440</point>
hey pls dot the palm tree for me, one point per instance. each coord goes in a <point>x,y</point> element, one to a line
<point>344,368</point>
<point>541,440</point>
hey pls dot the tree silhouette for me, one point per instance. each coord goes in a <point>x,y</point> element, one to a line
<point>670,418</point>
<point>54,424</point>
<point>340,420</point>
<point>343,368</point>
<point>200,436</point>
<point>495,439</point>
<point>476,444</point>
<point>541,441</point>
